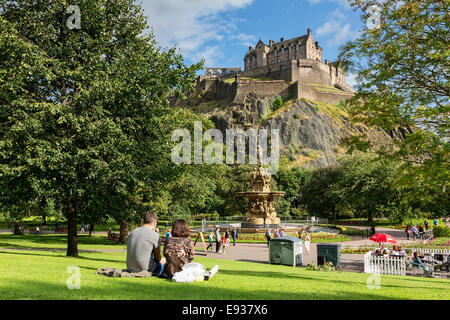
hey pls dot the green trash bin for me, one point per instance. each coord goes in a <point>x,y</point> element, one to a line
<point>285,250</point>
<point>331,252</point>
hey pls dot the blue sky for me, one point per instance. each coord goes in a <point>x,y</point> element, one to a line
<point>222,30</point>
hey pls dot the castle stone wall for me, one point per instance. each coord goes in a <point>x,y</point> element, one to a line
<point>305,91</point>
<point>261,89</point>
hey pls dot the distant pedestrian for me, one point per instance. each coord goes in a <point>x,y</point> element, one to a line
<point>414,232</point>
<point>307,243</point>
<point>167,225</point>
<point>210,238</point>
<point>408,232</point>
<point>436,222</point>
<point>275,234</point>
<point>421,232</point>
<point>234,235</point>
<point>218,239</point>
<point>224,243</point>
<point>167,235</point>
<point>227,237</point>
<point>372,229</point>
<point>268,236</point>
<point>82,228</point>
<point>313,220</point>
<point>37,231</point>
<point>426,224</point>
<point>282,234</point>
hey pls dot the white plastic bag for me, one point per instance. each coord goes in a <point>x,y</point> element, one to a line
<point>191,271</point>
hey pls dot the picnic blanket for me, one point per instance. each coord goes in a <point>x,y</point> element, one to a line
<point>113,272</point>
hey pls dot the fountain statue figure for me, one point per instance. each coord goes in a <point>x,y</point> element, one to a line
<point>261,212</point>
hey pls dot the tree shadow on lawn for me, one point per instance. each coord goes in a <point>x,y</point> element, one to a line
<point>63,256</point>
<point>334,281</point>
<point>160,289</point>
<point>83,239</point>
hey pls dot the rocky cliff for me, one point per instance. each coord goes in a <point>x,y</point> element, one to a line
<point>310,132</point>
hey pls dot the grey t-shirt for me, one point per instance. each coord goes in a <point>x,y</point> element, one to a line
<point>141,243</point>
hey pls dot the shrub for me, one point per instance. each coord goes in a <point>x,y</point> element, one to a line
<point>441,231</point>
<point>328,267</point>
<point>277,103</point>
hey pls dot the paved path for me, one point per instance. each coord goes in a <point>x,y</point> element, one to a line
<point>398,234</point>
<point>259,252</point>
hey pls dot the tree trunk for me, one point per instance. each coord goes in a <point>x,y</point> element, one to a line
<point>17,231</point>
<point>123,232</point>
<point>45,220</point>
<point>72,240</point>
<point>91,229</point>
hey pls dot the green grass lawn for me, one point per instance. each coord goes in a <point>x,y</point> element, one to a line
<point>43,275</point>
<point>57,241</point>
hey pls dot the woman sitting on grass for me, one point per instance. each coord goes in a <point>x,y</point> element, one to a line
<point>178,249</point>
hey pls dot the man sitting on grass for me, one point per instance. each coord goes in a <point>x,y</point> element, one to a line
<point>144,247</point>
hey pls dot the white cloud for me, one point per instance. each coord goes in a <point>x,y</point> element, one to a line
<point>350,78</point>
<point>245,39</point>
<point>344,3</point>
<point>337,31</point>
<point>191,24</point>
<point>211,55</point>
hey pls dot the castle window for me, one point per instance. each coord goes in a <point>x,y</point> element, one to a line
<point>276,52</point>
<point>282,51</point>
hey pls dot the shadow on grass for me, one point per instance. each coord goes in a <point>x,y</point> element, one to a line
<point>63,256</point>
<point>84,239</point>
<point>314,277</point>
<point>160,289</point>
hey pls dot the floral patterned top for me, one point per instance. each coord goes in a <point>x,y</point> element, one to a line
<point>178,252</point>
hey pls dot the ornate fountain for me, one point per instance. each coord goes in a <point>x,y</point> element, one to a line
<point>261,211</point>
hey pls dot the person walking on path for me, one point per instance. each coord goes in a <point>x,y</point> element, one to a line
<point>436,222</point>
<point>218,239</point>
<point>227,237</point>
<point>268,237</point>
<point>275,234</point>
<point>421,232</point>
<point>37,231</point>
<point>408,232</point>
<point>414,232</point>
<point>224,243</point>
<point>307,243</point>
<point>210,241</point>
<point>426,224</point>
<point>282,234</point>
<point>234,235</point>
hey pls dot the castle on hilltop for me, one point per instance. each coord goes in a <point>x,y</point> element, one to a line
<point>290,68</point>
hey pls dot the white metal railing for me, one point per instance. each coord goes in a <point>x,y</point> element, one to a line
<point>310,221</point>
<point>384,265</point>
<point>430,251</point>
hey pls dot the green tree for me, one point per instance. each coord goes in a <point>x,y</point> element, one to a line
<point>402,67</point>
<point>292,181</point>
<point>84,112</point>
<point>319,194</point>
